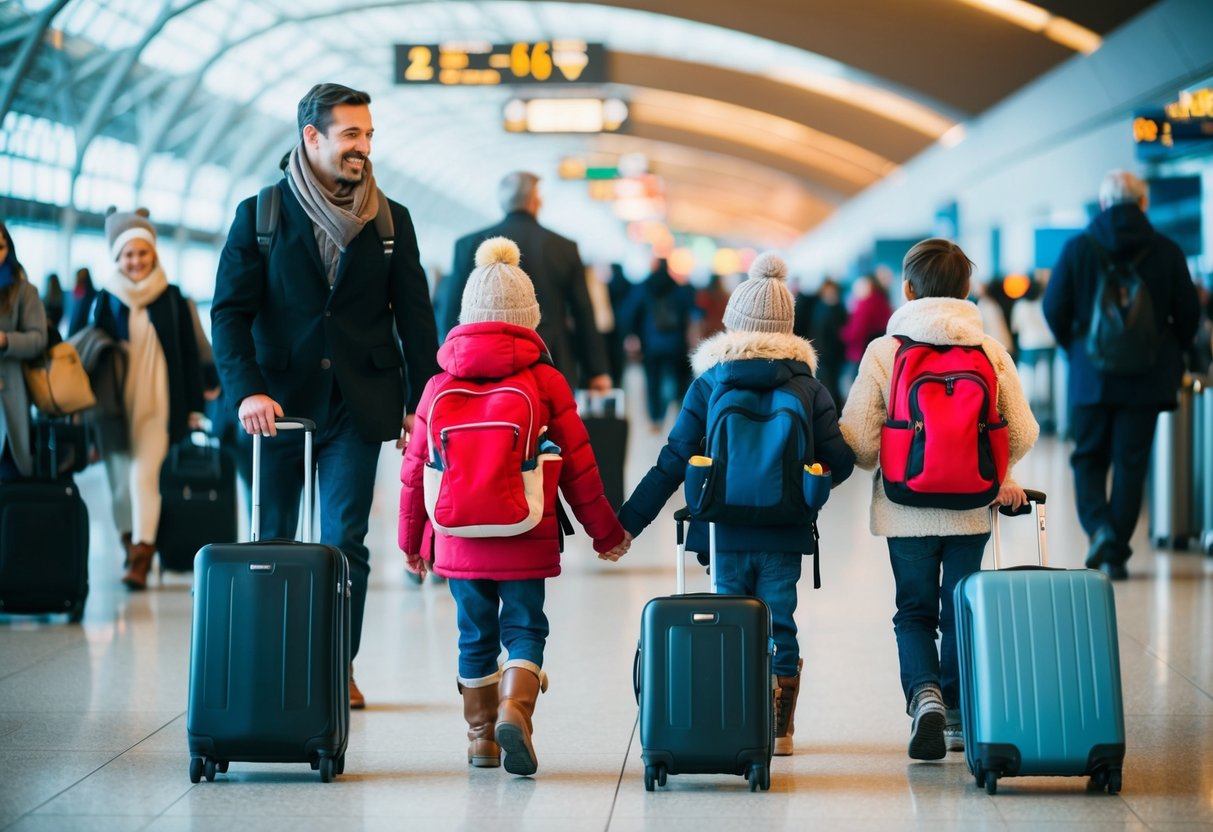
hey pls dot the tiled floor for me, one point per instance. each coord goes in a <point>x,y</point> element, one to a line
<point>92,718</point>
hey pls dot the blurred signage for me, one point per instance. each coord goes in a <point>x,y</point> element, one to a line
<point>566,115</point>
<point>1182,127</point>
<point>603,167</point>
<point>460,64</point>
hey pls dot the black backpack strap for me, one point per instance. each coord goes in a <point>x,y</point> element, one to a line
<point>386,227</point>
<point>269,206</point>
<point>816,556</point>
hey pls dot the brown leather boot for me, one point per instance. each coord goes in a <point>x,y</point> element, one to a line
<point>140,564</point>
<point>480,711</point>
<point>786,692</point>
<point>520,687</point>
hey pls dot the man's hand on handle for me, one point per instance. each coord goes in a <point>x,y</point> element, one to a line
<point>257,413</point>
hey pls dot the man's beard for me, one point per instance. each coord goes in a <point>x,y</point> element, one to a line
<point>352,179</point>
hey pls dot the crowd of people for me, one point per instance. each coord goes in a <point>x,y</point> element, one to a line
<point>327,315</point>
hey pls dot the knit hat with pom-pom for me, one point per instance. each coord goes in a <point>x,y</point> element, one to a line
<point>123,226</point>
<point>762,303</point>
<point>497,290</point>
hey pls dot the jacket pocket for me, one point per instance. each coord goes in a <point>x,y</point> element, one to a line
<point>385,357</point>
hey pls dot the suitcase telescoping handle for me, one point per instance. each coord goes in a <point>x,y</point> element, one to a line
<point>681,516</point>
<point>1037,499</point>
<point>286,423</point>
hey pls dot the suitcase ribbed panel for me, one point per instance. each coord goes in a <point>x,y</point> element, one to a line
<point>700,695</point>
<point>1040,650</point>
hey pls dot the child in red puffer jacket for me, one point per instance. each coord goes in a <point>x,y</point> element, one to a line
<point>496,569</point>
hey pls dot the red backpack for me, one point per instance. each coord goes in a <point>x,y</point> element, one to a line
<point>944,443</point>
<point>488,457</point>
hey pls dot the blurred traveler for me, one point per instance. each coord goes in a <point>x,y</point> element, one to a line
<point>993,318</point>
<point>618,288</point>
<point>310,328</point>
<point>162,391</point>
<point>53,300</point>
<point>659,312</point>
<point>825,331</point>
<point>1035,354</point>
<point>712,300</point>
<point>22,337</point>
<point>554,267</point>
<point>1113,414</point>
<point>82,302</point>
<point>867,321</point>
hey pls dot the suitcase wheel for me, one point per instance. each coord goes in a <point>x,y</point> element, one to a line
<point>341,764</point>
<point>76,614</point>
<point>222,766</point>
<point>991,782</point>
<point>195,769</point>
<point>1114,782</point>
<point>209,768</point>
<point>759,777</point>
<point>328,769</point>
<point>654,775</point>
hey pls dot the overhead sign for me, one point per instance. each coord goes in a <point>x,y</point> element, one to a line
<point>459,64</point>
<point>565,115</point>
<point>1181,127</point>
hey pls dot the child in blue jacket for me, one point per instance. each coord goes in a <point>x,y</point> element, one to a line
<point>756,351</point>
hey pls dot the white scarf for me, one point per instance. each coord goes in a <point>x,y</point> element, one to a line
<point>146,390</point>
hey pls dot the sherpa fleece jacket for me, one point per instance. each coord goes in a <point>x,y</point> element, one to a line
<point>744,359</point>
<point>934,321</point>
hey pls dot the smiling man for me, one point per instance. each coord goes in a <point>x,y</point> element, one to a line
<point>302,322</point>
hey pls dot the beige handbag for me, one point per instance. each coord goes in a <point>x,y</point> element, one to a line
<point>57,383</point>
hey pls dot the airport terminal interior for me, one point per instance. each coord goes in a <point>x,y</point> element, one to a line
<point>699,133</point>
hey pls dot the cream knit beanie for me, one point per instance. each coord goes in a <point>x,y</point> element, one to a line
<point>121,227</point>
<point>497,290</point>
<point>762,303</point>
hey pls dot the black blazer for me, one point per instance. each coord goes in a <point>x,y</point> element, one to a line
<point>278,329</point>
<point>554,266</point>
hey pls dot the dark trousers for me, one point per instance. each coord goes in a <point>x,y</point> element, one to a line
<point>662,371</point>
<point>1118,437</point>
<point>345,469</point>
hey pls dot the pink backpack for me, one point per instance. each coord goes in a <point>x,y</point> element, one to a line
<point>944,443</point>
<point>488,457</point>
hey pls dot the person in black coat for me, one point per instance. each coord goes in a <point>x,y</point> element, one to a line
<point>555,268</point>
<point>310,330</point>
<point>1114,415</point>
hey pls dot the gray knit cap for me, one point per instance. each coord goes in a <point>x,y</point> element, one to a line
<point>123,226</point>
<point>762,303</point>
<point>497,290</point>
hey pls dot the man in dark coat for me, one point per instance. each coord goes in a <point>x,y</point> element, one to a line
<point>559,277</point>
<point>307,330</point>
<point>1114,415</point>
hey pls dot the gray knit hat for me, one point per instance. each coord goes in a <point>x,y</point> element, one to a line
<point>762,303</point>
<point>497,290</point>
<point>122,226</point>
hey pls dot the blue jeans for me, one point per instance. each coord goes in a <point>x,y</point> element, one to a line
<point>924,607</point>
<point>345,468</point>
<point>771,576</point>
<point>492,614</point>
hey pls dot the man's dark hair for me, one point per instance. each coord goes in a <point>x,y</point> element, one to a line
<point>937,268</point>
<point>316,108</point>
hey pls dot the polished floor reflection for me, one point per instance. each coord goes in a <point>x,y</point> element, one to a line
<point>92,717</point>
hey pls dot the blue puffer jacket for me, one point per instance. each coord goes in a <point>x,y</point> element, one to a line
<point>753,360</point>
<point>1069,298</point>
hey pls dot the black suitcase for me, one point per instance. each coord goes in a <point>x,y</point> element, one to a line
<point>198,502</point>
<point>44,531</point>
<point>607,425</point>
<point>702,677</point>
<point>43,548</point>
<point>270,654</point>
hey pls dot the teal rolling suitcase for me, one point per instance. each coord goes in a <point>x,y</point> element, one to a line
<point>1039,671</point>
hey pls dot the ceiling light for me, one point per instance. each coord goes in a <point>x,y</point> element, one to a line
<point>1035,19</point>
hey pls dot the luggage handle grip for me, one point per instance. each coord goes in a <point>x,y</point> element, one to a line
<point>681,516</point>
<point>636,673</point>
<point>309,486</point>
<point>1037,499</point>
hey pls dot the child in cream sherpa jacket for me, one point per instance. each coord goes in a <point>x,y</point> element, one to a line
<point>925,543</point>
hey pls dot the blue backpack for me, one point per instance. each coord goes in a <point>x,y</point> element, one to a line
<point>752,472</point>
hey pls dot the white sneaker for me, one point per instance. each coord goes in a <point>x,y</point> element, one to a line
<point>926,731</point>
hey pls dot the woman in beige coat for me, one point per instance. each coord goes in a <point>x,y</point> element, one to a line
<point>22,337</point>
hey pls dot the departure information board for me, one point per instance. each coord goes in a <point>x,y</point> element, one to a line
<point>460,64</point>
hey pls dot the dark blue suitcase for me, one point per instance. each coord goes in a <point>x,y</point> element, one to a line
<point>43,548</point>
<point>702,677</point>
<point>1039,671</point>
<point>270,654</point>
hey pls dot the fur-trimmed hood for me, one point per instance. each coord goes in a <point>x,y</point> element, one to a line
<point>939,321</point>
<point>740,346</point>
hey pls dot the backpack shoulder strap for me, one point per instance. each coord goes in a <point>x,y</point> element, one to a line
<point>269,206</point>
<point>385,226</point>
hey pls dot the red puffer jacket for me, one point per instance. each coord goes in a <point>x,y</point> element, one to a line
<point>497,350</point>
